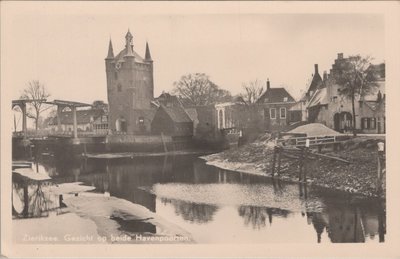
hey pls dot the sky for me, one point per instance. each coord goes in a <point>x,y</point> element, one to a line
<point>64,46</point>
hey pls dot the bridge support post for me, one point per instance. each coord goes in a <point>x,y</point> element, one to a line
<point>59,110</point>
<point>25,140</point>
<point>75,139</point>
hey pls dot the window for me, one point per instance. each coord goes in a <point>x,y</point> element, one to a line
<point>283,112</point>
<point>285,99</point>
<point>373,123</point>
<point>265,100</point>
<point>119,87</point>
<point>272,113</point>
<point>368,123</point>
<point>115,75</point>
<point>334,99</point>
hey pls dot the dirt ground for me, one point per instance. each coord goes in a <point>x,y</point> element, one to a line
<point>357,176</point>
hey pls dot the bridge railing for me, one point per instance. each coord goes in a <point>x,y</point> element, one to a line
<point>48,133</point>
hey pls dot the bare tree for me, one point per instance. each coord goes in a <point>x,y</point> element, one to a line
<point>355,80</point>
<point>252,91</point>
<point>198,89</point>
<point>36,92</point>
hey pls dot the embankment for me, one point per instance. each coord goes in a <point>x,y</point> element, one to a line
<point>359,176</point>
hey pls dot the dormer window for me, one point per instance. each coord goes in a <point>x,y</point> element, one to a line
<point>285,99</point>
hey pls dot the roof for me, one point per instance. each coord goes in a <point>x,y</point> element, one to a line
<point>314,130</point>
<point>176,113</point>
<point>192,112</point>
<point>69,103</point>
<point>377,70</point>
<point>373,94</point>
<point>275,95</point>
<point>319,98</point>
<point>168,100</point>
<point>315,83</point>
<point>82,116</point>
<point>121,55</point>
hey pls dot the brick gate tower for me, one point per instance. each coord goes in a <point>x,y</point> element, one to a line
<point>130,89</point>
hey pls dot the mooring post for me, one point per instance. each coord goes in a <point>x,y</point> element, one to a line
<point>279,150</point>
<point>301,161</point>
<point>273,161</point>
<point>305,164</point>
<point>305,160</point>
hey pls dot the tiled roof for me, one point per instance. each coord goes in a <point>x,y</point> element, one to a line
<point>177,113</point>
<point>275,95</point>
<point>82,116</point>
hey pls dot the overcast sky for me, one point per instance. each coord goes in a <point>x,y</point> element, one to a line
<point>65,47</point>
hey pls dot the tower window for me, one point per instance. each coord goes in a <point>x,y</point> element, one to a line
<point>115,75</point>
<point>119,87</point>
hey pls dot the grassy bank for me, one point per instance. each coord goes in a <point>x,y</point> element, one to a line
<point>358,176</point>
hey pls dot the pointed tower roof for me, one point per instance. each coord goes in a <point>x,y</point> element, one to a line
<point>128,34</point>
<point>129,45</point>
<point>110,54</point>
<point>147,56</point>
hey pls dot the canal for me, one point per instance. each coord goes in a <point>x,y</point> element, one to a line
<point>213,205</point>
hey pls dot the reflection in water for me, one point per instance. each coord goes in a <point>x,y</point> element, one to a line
<point>31,199</point>
<point>254,202</point>
<point>193,212</point>
<point>256,216</point>
<point>135,226</point>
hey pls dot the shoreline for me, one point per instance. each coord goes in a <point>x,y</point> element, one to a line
<point>255,166</point>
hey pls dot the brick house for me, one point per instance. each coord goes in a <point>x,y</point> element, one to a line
<point>273,106</point>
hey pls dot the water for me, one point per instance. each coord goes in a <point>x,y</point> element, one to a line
<point>213,205</point>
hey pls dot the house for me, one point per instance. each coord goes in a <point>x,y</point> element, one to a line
<point>328,107</point>
<point>299,112</point>
<point>90,120</point>
<point>273,106</point>
<point>172,121</point>
<point>229,114</point>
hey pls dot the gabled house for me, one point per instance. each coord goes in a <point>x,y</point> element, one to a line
<point>274,105</point>
<point>328,107</point>
<point>90,120</point>
<point>170,118</point>
<point>172,121</point>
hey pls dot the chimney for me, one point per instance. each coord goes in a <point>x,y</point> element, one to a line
<point>316,69</point>
<point>268,85</point>
<point>340,56</point>
<point>325,75</point>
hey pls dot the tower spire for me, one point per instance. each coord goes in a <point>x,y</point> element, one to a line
<point>110,54</point>
<point>129,45</point>
<point>147,56</point>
